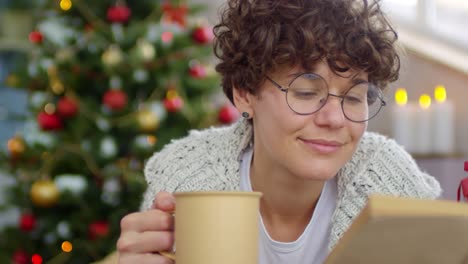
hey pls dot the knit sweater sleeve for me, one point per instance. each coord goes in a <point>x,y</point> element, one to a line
<point>403,177</point>
<point>160,166</point>
<point>204,160</point>
<point>382,166</point>
<point>174,167</point>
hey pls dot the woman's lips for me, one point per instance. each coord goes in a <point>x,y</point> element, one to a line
<point>323,146</point>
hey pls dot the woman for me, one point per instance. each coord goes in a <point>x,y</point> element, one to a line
<point>306,76</point>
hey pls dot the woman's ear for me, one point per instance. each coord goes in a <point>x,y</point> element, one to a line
<point>243,101</point>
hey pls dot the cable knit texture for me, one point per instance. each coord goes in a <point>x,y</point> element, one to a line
<point>209,160</point>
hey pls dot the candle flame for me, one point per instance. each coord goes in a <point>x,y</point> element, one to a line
<point>401,96</point>
<point>440,94</point>
<point>425,101</point>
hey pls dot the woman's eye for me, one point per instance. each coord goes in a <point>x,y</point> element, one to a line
<point>353,99</point>
<point>305,94</point>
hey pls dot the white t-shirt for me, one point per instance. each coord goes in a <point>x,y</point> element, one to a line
<point>312,246</point>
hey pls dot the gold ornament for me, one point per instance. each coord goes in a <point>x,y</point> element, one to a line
<point>16,146</point>
<point>147,120</point>
<point>112,57</point>
<point>44,193</point>
<point>57,87</point>
<point>49,108</point>
<point>172,93</point>
<point>145,50</point>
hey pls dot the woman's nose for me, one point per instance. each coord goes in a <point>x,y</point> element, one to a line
<point>331,114</point>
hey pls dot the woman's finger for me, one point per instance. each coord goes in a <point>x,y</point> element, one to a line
<point>151,220</point>
<point>148,258</point>
<point>146,242</point>
<point>164,201</point>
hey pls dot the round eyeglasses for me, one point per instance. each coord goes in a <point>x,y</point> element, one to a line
<point>307,93</point>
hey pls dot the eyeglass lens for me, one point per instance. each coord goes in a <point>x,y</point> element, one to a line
<point>309,92</point>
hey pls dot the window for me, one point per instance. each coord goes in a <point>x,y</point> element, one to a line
<point>12,101</point>
<point>445,20</point>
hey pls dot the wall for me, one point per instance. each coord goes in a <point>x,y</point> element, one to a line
<point>420,75</point>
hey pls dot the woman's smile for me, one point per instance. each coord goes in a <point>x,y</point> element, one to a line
<point>322,146</point>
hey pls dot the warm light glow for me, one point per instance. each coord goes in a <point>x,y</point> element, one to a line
<point>425,101</point>
<point>65,5</point>
<point>440,94</point>
<point>152,140</point>
<point>36,259</point>
<point>67,246</point>
<point>401,97</point>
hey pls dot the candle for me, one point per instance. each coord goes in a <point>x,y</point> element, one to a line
<point>403,115</point>
<point>423,120</point>
<point>442,123</point>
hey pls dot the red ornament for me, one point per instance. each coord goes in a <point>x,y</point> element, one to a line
<point>116,100</point>
<point>228,114</point>
<point>98,229</point>
<point>197,71</point>
<point>202,35</point>
<point>175,14</point>
<point>27,222</point>
<point>67,107</point>
<point>36,37</point>
<point>20,257</point>
<point>118,14</point>
<point>36,259</point>
<point>173,104</point>
<point>49,122</point>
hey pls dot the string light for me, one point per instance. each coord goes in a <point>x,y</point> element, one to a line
<point>36,259</point>
<point>67,246</point>
<point>65,5</point>
<point>152,140</point>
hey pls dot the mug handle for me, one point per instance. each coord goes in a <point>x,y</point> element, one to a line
<point>168,254</point>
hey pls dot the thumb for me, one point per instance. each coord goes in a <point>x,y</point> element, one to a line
<point>164,201</point>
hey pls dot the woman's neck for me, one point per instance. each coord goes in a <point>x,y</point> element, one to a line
<point>288,202</point>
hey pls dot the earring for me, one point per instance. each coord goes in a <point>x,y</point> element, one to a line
<point>245,115</point>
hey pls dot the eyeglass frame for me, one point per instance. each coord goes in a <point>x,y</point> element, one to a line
<point>342,97</point>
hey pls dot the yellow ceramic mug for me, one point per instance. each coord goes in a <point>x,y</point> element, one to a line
<point>216,227</point>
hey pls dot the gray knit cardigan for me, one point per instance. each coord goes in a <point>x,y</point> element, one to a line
<point>210,160</point>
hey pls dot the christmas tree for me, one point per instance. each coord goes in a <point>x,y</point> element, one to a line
<point>109,83</point>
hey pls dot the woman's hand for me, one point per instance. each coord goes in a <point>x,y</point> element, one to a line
<point>144,234</point>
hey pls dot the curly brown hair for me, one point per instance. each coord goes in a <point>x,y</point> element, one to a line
<point>254,37</point>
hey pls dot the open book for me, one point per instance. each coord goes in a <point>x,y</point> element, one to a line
<point>403,231</point>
